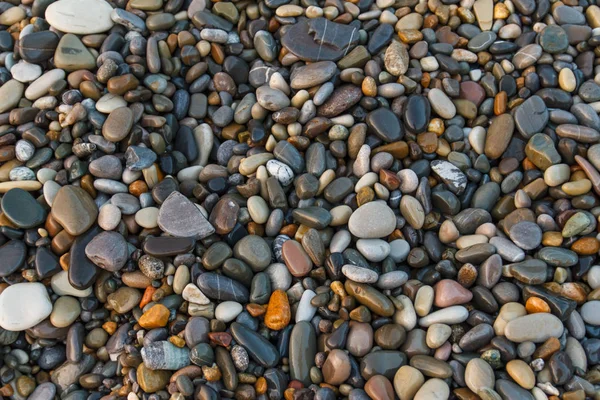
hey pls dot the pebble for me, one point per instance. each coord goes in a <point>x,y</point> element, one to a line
<point>17,315</point>
<point>372,221</point>
<point>82,17</point>
<point>535,328</point>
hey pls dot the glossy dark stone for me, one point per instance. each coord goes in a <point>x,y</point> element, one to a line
<point>12,255</point>
<point>561,368</point>
<point>37,47</point>
<point>82,272</point>
<point>22,209</point>
<point>222,288</point>
<point>385,125</point>
<point>417,113</point>
<point>166,246</point>
<point>260,349</point>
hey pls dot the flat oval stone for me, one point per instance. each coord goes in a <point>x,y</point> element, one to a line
<point>479,375</point>
<point>441,103</point>
<point>298,262</point>
<point>254,251</point>
<point>526,235</point>
<point>385,125</point>
<point>417,113</point>
<point>118,124</point>
<point>499,135</point>
<point>359,274</point>
<point>20,208</point>
<point>260,349</point>
<point>220,287</point>
<point>340,100</point>
<point>372,221</point>
<point>82,17</point>
<point>19,315</point>
<point>37,47</point>
<point>312,74</point>
<point>535,328</point>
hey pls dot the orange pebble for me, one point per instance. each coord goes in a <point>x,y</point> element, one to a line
<point>260,386</point>
<point>278,314</point>
<point>138,187</point>
<point>156,317</point>
<point>536,305</point>
<point>147,297</point>
<point>586,246</point>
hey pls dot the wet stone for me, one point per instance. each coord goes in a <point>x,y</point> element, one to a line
<point>20,208</point>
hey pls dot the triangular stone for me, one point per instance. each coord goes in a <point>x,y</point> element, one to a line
<point>178,216</point>
<point>72,55</point>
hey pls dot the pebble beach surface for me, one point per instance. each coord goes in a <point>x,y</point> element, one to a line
<point>299,199</point>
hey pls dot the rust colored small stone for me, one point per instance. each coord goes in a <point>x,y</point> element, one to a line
<point>217,53</point>
<point>398,149</point>
<point>289,230</point>
<point>260,386</point>
<point>255,229</point>
<point>7,390</point>
<point>389,179</point>
<point>500,103</point>
<point>220,338</point>
<point>431,21</point>
<point>138,187</point>
<point>548,348</point>
<point>295,384</point>
<point>536,305</point>
<point>278,313</point>
<point>110,327</point>
<point>410,36</point>
<point>156,317</point>
<point>586,246</point>
<point>256,310</point>
<point>288,394</point>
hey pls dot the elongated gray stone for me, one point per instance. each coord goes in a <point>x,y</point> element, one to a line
<point>303,347</point>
